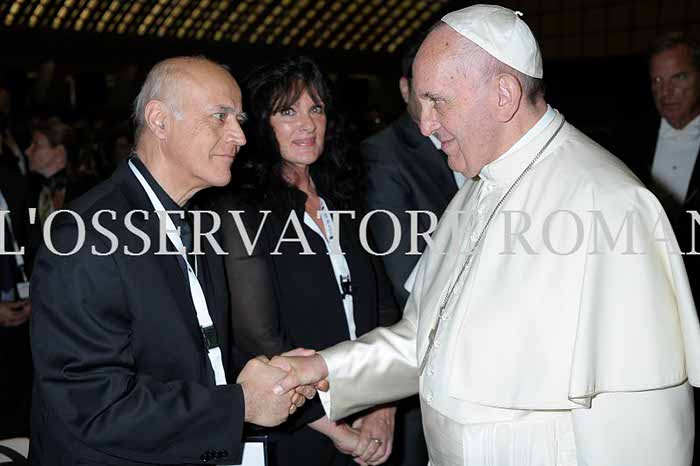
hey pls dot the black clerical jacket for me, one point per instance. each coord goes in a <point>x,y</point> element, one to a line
<point>122,374</point>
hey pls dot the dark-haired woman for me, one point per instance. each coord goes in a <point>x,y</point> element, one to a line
<point>287,290</point>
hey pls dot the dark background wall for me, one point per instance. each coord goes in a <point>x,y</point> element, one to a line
<point>594,50</point>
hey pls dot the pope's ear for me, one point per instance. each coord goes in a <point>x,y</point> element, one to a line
<point>156,118</point>
<point>509,95</point>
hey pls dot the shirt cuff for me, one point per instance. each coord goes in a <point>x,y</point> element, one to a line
<point>325,398</point>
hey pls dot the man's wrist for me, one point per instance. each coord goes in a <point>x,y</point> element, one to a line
<point>247,411</point>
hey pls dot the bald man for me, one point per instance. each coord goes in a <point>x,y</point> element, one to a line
<point>550,327</point>
<point>130,347</point>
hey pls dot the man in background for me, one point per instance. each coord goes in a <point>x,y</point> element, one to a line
<point>406,172</point>
<point>663,148</point>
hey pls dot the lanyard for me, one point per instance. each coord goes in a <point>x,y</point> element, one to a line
<point>344,280</point>
<point>18,257</point>
<point>200,303</point>
<point>338,263</point>
<point>327,221</point>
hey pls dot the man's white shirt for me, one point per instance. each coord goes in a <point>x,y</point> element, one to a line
<point>674,159</point>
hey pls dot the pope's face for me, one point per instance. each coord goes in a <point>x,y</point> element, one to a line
<point>454,105</point>
<point>207,133</point>
<point>675,83</point>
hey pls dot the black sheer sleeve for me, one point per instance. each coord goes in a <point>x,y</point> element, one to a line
<point>252,286</point>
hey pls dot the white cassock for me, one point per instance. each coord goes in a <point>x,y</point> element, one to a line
<point>559,346</point>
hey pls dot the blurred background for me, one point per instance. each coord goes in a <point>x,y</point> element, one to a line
<point>85,59</point>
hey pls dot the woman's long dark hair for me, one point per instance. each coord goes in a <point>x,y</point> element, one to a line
<point>257,173</point>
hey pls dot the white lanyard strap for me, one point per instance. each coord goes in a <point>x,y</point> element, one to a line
<point>339,264</point>
<point>345,282</point>
<point>200,303</point>
<point>18,257</point>
<point>327,221</point>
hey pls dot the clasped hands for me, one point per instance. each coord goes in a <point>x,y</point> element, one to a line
<point>274,389</point>
<point>370,437</point>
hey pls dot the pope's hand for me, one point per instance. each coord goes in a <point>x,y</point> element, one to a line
<point>303,392</point>
<point>301,370</point>
<point>262,406</point>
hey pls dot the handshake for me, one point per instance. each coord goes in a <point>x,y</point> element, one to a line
<point>274,389</point>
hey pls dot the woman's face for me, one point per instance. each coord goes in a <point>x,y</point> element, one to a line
<point>300,131</point>
<point>40,154</point>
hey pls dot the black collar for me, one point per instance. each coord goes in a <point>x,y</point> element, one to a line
<point>168,203</point>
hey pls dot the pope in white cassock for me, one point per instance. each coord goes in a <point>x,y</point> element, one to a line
<point>553,324</point>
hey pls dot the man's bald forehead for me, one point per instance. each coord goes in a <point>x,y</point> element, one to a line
<point>169,78</point>
<point>189,66</point>
<point>189,71</point>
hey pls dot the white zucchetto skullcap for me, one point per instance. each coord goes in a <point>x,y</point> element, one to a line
<point>501,33</point>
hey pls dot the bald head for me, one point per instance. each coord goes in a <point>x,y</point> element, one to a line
<point>188,117</point>
<point>166,82</point>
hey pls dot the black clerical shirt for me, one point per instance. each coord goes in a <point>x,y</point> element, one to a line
<point>182,222</point>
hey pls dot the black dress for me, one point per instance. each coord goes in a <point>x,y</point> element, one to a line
<point>289,300</point>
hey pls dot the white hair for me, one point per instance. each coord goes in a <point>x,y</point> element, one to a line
<point>159,85</point>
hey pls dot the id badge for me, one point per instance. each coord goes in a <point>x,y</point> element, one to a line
<point>23,290</point>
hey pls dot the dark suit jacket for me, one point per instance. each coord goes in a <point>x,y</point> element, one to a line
<point>636,148</point>
<point>405,172</point>
<point>122,374</point>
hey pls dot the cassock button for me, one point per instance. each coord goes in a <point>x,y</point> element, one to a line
<point>436,345</point>
<point>431,372</point>
<point>429,398</point>
<point>481,210</point>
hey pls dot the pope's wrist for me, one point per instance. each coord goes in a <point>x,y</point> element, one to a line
<point>320,366</point>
